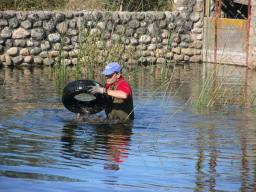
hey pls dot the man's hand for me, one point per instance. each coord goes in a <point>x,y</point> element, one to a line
<point>96,89</point>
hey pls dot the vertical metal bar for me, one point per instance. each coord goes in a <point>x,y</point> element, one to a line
<point>217,16</point>
<point>248,23</point>
<point>248,27</point>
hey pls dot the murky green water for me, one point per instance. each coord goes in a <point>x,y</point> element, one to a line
<point>170,146</point>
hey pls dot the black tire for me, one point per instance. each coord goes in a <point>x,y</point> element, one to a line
<point>74,105</point>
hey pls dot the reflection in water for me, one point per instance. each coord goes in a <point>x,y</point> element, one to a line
<point>168,146</point>
<point>89,144</point>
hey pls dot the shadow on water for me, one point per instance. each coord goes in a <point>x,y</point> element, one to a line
<point>106,141</point>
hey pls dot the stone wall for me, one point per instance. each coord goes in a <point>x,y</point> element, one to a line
<point>36,38</point>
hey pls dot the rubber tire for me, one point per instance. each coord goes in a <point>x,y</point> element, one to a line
<point>74,105</point>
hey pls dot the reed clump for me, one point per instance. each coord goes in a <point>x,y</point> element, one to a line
<point>91,56</point>
<point>219,89</point>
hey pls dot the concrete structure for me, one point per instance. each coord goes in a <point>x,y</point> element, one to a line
<point>184,35</point>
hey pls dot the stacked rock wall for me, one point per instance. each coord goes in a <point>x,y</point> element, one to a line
<point>36,38</point>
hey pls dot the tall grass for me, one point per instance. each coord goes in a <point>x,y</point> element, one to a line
<point>92,55</point>
<point>219,89</point>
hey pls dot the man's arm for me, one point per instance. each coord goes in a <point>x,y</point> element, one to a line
<point>117,94</point>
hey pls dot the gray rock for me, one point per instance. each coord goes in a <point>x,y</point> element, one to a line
<point>141,30</point>
<point>7,60</point>
<point>43,54</point>
<point>145,39</point>
<point>120,29</point>
<point>134,24</point>
<point>169,55</point>
<point>195,17</point>
<point>20,43</point>
<point>156,40</point>
<point>186,58</point>
<point>195,59</point>
<point>75,52</point>
<point>33,17</point>
<point>129,32</point>
<point>171,26</point>
<point>97,15</point>
<point>26,24</point>
<point>69,15</point>
<point>140,16</point>
<point>109,26</point>
<point>49,25</point>
<point>160,15</point>
<point>74,39</point>
<point>67,61</point>
<point>38,24</point>
<point>66,41</point>
<point>45,45</point>
<point>62,27</point>
<point>184,44</point>
<point>8,14</point>
<point>178,57</point>
<point>17,60</point>
<point>20,33</point>
<point>48,61</point>
<point>74,61</point>
<point>141,47</point>
<point>38,60</point>
<point>28,59</point>
<point>14,23</point>
<point>197,45</point>
<point>44,15</point>
<point>37,34</point>
<point>169,16</point>
<point>3,22</point>
<point>160,60</point>
<point>24,52</point>
<point>163,24</point>
<point>72,23</point>
<point>125,18</point>
<point>6,33</point>
<point>68,47</point>
<point>13,51</point>
<point>189,52</point>
<point>53,53</point>
<point>72,32</point>
<point>35,51</point>
<point>56,46</point>
<point>22,16</point>
<point>176,50</point>
<point>153,29</point>
<point>151,47</point>
<point>134,41</point>
<point>150,18</point>
<point>59,17</point>
<point>33,43</point>
<point>8,42</point>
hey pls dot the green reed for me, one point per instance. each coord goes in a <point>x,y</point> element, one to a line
<point>219,90</point>
<point>92,55</point>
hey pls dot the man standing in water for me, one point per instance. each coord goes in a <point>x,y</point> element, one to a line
<point>119,94</point>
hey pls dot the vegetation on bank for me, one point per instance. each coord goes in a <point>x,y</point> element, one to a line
<point>113,5</point>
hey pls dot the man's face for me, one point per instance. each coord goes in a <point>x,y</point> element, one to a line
<point>112,78</point>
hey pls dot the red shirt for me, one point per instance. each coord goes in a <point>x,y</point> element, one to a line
<point>121,84</point>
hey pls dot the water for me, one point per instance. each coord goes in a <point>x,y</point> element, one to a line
<point>170,146</point>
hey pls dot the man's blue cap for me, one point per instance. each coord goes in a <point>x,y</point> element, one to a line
<point>112,68</point>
